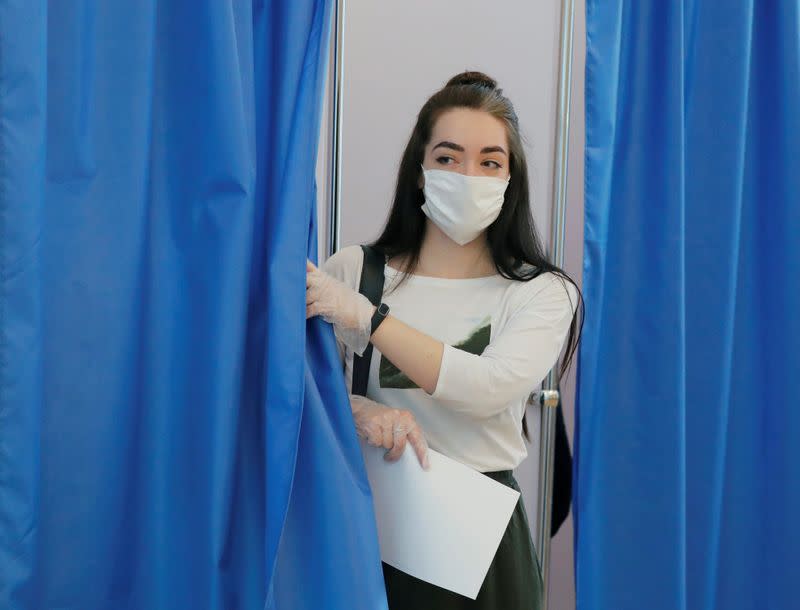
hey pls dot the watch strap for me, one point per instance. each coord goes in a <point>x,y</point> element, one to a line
<point>379,316</point>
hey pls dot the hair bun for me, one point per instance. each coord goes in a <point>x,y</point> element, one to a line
<point>472,78</point>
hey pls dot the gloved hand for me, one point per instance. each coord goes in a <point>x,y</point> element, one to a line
<point>392,429</point>
<point>349,311</point>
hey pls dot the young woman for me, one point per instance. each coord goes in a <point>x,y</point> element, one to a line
<point>477,317</point>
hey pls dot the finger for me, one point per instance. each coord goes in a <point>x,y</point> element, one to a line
<point>420,445</point>
<point>312,286</point>
<point>311,271</point>
<point>362,433</point>
<point>400,441</point>
<point>388,436</point>
<point>311,295</point>
<point>370,433</point>
<point>375,437</point>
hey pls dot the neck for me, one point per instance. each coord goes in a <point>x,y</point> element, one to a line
<point>441,257</point>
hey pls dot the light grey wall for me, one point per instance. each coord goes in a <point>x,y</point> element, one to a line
<point>396,55</point>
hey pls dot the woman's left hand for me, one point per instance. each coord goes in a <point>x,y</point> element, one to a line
<point>349,311</point>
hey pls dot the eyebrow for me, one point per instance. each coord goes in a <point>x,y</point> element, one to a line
<point>485,150</point>
<point>491,149</point>
<point>451,145</point>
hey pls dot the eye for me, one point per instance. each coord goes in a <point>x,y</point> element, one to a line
<point>492,164</point>
<point>444,160</point>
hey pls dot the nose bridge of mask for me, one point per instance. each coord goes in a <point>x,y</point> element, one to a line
<point>476,186</point>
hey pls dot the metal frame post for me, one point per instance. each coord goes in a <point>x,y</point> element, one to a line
<point>335,170</point>
<point>550,394</point>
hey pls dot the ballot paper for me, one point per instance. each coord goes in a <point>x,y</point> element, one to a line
<point>442,525</point>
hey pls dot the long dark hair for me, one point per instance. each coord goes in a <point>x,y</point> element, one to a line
<point>513,241</point>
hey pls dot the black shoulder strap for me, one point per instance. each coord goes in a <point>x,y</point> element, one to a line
<point>562,473</point>
<point>371,286</point>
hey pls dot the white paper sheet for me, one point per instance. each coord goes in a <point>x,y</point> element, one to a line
<point>442,525</point>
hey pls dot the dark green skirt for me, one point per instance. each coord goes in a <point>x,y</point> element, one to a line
<point>514,580</point>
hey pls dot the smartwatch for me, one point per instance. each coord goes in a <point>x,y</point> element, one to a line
<point>379,316</point>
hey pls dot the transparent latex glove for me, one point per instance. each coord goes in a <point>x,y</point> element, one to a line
<point>392,429</point>
<point>349,311</point>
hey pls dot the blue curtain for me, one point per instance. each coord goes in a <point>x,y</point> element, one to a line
<point>688,464</point>
<point>173,434</point>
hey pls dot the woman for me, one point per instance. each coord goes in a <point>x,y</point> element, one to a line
<point>477,317</point>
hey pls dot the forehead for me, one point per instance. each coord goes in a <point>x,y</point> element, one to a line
<point>469,128</point>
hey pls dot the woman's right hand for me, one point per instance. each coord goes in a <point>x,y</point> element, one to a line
<point>392,429</point>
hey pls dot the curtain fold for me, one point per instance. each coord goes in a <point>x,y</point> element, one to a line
<point>167,416</point>
<point>688,456</point>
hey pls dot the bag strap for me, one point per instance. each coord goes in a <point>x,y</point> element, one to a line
<point>371,286</point>
<point>562,473</point>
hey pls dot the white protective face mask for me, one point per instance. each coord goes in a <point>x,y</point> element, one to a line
<point>462,206</point>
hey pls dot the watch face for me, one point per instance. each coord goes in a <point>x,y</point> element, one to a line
<point>383,309</point>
